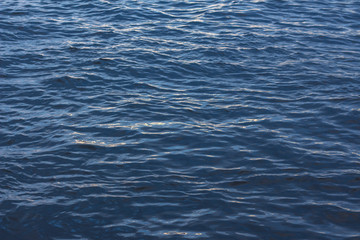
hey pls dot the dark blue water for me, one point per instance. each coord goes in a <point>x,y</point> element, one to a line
<point>186,119</point>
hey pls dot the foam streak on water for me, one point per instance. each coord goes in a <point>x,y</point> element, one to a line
<point>183,119</point>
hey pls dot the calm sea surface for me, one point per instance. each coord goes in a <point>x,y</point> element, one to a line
<point>189,119</point>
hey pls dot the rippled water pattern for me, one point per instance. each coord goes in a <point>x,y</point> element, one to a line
<point>186,119</point>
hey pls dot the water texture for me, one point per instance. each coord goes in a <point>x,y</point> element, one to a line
<point>186,119</point>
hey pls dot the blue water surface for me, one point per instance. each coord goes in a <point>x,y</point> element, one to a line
<point>186,119</point>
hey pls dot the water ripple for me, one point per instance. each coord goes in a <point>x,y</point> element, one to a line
<point>179,119</point>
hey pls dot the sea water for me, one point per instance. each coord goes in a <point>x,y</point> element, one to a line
<point>186,119</point>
